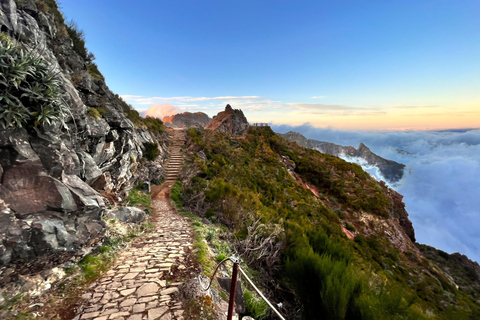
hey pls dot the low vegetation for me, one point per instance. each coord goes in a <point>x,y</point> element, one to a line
<point>139,198</point>
<point>151,150</point>
<point>294,239</point>
<point>78,39</point>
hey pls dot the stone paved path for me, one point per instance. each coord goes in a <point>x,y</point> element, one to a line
<point>135,287</point>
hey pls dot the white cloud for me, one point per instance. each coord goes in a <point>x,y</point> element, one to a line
<point>319,97</point>
<point>442,186</point>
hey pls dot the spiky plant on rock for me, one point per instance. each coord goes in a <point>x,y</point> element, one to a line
<point>29,89</point>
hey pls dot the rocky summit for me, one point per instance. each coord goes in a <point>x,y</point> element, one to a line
<point>231,121</point>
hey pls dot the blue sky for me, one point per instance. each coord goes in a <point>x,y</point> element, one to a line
<point>363,65</point>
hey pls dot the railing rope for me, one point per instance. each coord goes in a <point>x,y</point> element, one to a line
<point>233,285</point>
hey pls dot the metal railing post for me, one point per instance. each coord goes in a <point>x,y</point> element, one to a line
<point>233,288</point>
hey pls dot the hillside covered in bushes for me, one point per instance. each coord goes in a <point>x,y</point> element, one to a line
<point>320,232</point>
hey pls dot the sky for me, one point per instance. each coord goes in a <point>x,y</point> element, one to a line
<point>441,184</point>
<point>347,65</point>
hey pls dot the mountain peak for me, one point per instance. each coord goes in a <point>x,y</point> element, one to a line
<point>231,121</point>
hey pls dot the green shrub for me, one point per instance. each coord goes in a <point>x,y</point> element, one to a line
<point>92,70</point>
<point>78,39</point>
<point>93,113</point>
<point>139,198</point>
<point>349,227</point>
<point>92,267</point>
<point>220,257</point>
<point>255,306</point>
<point>151,150</point>
<point>153,124</point>
<point>209,214</point>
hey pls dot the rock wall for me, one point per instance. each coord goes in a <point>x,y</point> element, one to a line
<point>51,176</point>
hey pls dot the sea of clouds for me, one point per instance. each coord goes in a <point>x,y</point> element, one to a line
<point>441,185</point>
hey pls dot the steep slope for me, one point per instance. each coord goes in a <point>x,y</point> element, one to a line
<point>187,119</point>
<point>55,161</point>
<point>320,232</point>
<point>391,170</point>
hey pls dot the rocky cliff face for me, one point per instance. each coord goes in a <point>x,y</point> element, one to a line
<point>187,119</point>
<point>49,211</point>
<point>464,272</point>
<point>231,121</point>
<point>391,170</point>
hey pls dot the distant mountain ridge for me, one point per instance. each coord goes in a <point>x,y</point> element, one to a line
<point>391,170</point>
<point>187,119</point>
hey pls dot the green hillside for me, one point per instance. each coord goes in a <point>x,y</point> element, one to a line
<point>297,241</point>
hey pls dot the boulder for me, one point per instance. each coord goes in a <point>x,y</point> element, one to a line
<point>129,215</point>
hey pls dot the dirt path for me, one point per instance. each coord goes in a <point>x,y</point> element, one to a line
<point>139,285</point>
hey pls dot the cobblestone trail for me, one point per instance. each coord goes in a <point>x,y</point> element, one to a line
<point>135,288</point>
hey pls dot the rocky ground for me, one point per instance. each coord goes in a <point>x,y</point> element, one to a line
<point>136,287</point>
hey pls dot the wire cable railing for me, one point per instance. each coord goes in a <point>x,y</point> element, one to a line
<point>233,285</point>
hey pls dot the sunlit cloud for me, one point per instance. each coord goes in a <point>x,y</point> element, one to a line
<point>161,110</point>
<point>319,97</point>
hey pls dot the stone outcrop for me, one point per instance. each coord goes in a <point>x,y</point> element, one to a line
<point>128,214</point>
<point>187,119</point>
<point>52,175</point>
<point>231,121</point>
<point>464,272</point>
<point>392,171</point>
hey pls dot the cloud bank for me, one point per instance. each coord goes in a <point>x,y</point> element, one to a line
<point>441,187</point>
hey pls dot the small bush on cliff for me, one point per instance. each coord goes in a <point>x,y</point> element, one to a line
<point>29,88</point>
<point>92,70</point>
<point>151,150</point>
<point>93,113</point>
